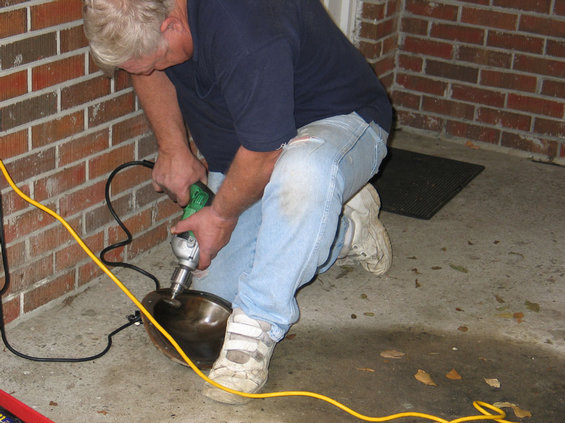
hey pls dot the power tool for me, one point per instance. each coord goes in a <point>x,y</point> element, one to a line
<point>184,245</point>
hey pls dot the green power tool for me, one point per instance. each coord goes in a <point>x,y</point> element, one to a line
<point>184,245</point>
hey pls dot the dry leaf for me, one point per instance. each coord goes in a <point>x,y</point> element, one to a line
<point>532,306</point>
<point>368,313</point>
<point>459,268</point>
<point>53,403</point>
<point>392,354</point>
<point>517,410</point>
<point>495,383</point>
<point>453,375</point>
<point>463,328</point>
<point>366,369</point>
<point>290,336</point>
<point>425,378</point>
<point>518,316</point>
<point>469,144</point>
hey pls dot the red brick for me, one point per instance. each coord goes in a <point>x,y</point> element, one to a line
<point>421,121</point>
<point>432,9</point>
<point>421,84</point>
<point>80,148</point>
<point>122,80</point>
<point>110,109</point>
<point>26,223</point>
<point>88,272</point>
<point>6,3</point>
<point>13,22</point>
<point>373,11</point>
<point>537,65</point>
<point>33,271</point>
<point>553,128</point>
<point>50,239</point>
<point>555,48</point>
<point>390,45</point>
<point>74,254</point>
<point>27,111</point>
<point>368,30</point>
<point>136,224</point>
<point>13,144</point>
<point>553,88</point>
<point>428,47</point>
<point>529,143</point>
<point>478,95</point>
<point>48,292</point>
<point>489,18</point>
<point>11,310</point>
<point>56,72</point>
<point>501,118</point>
<point>107,162</point>
<point>129,129</point>
<point>511,81</point>
<point>472,132</point>
<point>541,6</point>
<point>518,42</point>
<point>165,209</point>
<point>480,56</point>
<point>147,147</point>
<point>536,105</point>
<point>451,71</point>
<point>73,39</point>
<point>407,100</point>
<point>410,63</point>
<point>146,195</point>
<point>55,13</point>
<point>64,180</point>
<point>27,50</point>
<point>386,28</point>
<point>32,165</point>
<point>559,8</point>
<point>414,26</point>
<point>543,26</point>
<point>464,34</point>
<point>13,85</point>
<point>16,255</point>
<point>370,50</point>
<point>132,177</point>
<point>84,92</point>
<point>448,108</point>
<point>57,129</point>
<point>79,200</point>
<point>13,203</point>
<point>148,240</point>
<point>384,65</point>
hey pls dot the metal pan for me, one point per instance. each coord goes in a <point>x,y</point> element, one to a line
<point>198,326</point>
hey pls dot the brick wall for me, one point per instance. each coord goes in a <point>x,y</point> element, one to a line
<point>63,128</point>
<point>484,71</point>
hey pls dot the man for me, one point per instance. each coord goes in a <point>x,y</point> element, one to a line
<point>292,123</point>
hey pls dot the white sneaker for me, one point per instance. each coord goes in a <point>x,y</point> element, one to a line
<point>366,240</point>
<point>243,363</point>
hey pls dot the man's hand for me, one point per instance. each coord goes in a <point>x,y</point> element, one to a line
<point>211,231</point>
<point>174,172</point>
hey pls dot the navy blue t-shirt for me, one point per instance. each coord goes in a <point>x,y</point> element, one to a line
<point>263,68</point>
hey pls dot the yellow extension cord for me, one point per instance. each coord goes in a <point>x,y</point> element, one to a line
<point>479,405</point>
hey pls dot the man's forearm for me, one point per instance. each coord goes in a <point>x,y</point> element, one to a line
<point>245,182</point>
<point>159,101</point>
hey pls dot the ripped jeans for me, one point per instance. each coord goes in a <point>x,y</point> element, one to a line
<point>296,230</point>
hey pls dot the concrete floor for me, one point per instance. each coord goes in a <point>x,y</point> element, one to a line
<point>479,288</point>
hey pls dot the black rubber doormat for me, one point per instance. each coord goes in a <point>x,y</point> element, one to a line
<point>418,185</point>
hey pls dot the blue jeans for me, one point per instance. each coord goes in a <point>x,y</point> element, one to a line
<point>296,230</point>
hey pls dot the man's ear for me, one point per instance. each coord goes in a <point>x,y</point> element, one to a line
<point>171,23</point>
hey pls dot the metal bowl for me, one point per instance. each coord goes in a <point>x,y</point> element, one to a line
<point>198,325</point>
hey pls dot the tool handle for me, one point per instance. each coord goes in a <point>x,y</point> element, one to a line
<point>200,196</point>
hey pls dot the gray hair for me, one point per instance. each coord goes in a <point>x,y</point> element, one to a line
<point>120,30</point>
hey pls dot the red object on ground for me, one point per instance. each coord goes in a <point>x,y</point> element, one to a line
<point>20,410</point>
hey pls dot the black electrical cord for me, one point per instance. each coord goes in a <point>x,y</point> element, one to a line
<point>132,319</point>
<point>150,165</point>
